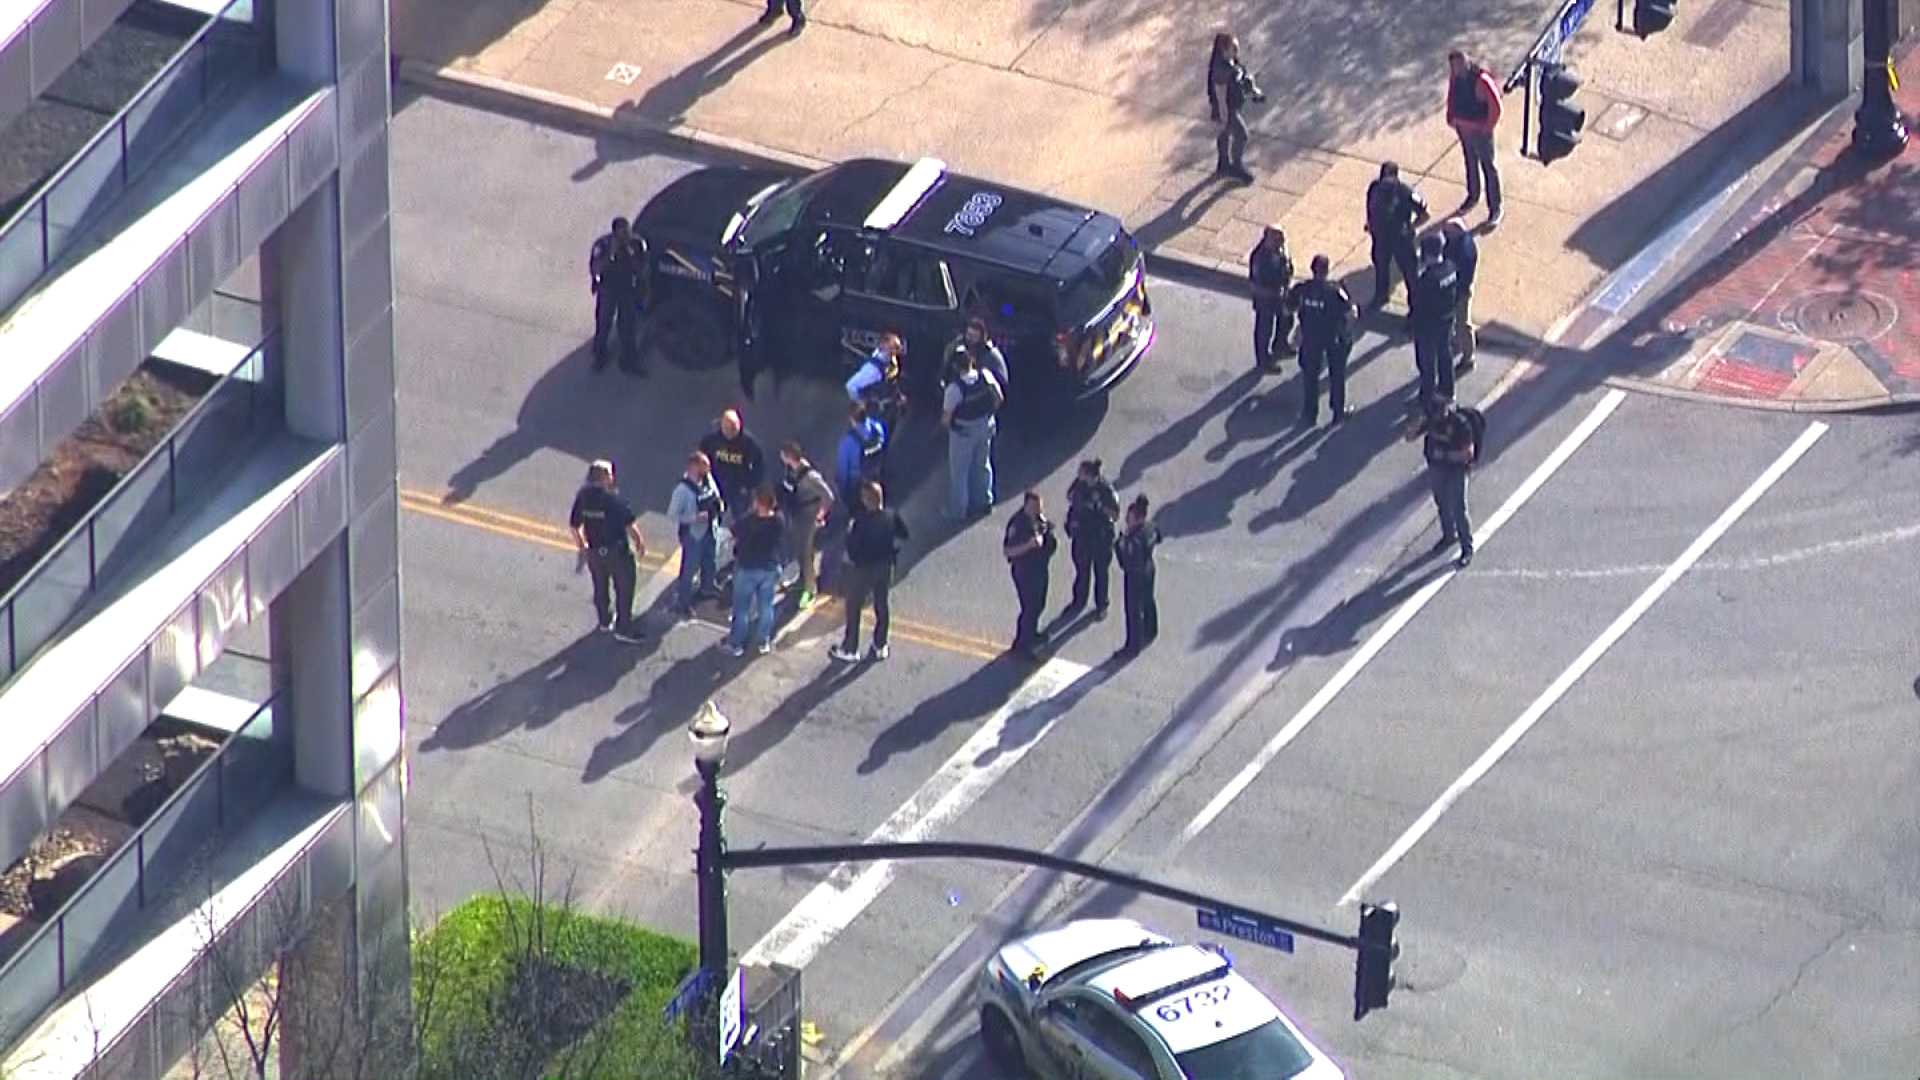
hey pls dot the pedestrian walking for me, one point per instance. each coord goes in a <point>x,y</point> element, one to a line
<point>877,385</point>
<point>1326,341</point>
<point>1093,518</point>
<point>1462,251</point>
<point>1433,307</point>
<point>1029,546</point>
<point>739,464</point>
<point>975,340</point>
<point>756,557</point>
<point>1451,445</point>
<point>807,500</point>
<point>618,274</point>
<point>604,525</point>
<point>873,550</point>
<point>1134,550</point>
<point>1229,87</point>
<point>1394,211</point>
<point>796,16</point>
<point>968,412</point>
<point>694,509</point>
<point>862,453</point>
<point>1269,275</point>
<point>1473,111</point>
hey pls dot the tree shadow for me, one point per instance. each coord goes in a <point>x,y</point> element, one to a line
<point>668,101</point>
<point>984,691</point>
<point>1335,71</point>
<point>587,669</point>
<point>441,33</point>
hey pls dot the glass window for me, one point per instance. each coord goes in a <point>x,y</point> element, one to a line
<point>1268,1052</point>
<point>1113,1034</point>
<point>1096,286</point>
<point>777,213</point>
<point>905,278</point>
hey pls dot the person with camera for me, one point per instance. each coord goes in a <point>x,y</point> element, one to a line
<point>1229,87</point>
<point>1029,547</point>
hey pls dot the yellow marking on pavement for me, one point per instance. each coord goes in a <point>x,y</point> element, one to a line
<point>546,534</point>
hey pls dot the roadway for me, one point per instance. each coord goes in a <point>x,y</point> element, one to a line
<point>1685,797</point>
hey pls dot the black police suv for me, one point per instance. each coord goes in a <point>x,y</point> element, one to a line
<point>806,273</point>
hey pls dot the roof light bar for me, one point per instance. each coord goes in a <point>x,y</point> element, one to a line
<point>906,194</point>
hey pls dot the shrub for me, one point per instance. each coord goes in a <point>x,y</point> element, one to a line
<point>503,988</point>
<point>132,412</point>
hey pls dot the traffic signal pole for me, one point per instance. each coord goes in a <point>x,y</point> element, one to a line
<point>1879,131</point>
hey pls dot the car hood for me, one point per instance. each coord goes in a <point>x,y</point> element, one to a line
<point>701,205</point>
<point>1052,950</point>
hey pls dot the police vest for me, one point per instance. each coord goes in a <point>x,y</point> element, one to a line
<point>706,496</point>
<point>1321,308</point>
<point>873,449</point>
<point>1437,289</point>
<point>976,400</point>
<point>1463,97</point>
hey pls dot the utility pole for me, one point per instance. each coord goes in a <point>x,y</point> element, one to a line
<point>1879,131</point>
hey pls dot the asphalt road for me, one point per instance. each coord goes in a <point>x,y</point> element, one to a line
<point>1657,878</point>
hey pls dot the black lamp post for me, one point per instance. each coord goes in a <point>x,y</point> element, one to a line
<point>1879,131</point>
<point>709,732</point>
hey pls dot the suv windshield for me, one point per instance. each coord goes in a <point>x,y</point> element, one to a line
<point>1268,1052</point>
<point>778,211</point>
<point>1094,288</point>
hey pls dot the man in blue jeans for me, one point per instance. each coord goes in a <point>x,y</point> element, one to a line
<point>1473,112</point>
<point>756,574</point>
<point>967,411</point>
<point>694,510</point>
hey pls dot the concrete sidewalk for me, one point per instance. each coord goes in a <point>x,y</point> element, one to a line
<point>1103,103</point>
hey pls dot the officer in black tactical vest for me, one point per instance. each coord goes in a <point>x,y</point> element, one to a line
<point>1269,275</point>
<point>1394,211</point>
<point>1093,516</point>
<point>618,271</point>
<point>1326,340</point>
<point>1433,304</point>
<point>604,525</point>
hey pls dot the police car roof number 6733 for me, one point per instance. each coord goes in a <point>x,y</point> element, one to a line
<point>1186,1005</point>
<point>968,219</point>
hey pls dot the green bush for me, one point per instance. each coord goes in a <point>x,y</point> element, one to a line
<point>472,1020</point>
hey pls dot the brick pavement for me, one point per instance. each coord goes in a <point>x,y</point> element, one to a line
<point>1101,104</point>
<point>1808,298</point>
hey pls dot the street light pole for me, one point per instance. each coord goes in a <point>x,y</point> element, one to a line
<point>709,733</point>
<point>1879,131</point>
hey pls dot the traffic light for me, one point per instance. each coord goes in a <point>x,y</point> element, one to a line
<point>1560,119</point>
<point>1652,16</point>
<point>1373,976</point>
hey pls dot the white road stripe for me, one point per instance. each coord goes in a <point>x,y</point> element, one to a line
<point>1519,728</point>
<point>1397,622</point>
<point>833,904</point>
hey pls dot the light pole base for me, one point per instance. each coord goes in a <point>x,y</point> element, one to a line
<point>1879,132</point>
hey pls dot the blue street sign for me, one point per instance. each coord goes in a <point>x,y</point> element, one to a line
<point>685,996</point>
<point>1549,47</point>
<point>1244,928</point>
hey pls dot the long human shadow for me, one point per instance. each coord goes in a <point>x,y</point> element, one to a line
<point>1208,506</point>
<point>585,670</point>
<point>985,690</point>
<point>1337,460</point>
<point>672,698</point>
<point>755,741</point>
<point>1171,440</point>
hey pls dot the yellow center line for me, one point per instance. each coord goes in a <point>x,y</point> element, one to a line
<point>549,535</point>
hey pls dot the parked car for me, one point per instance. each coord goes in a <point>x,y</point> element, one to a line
<point>806,273</point>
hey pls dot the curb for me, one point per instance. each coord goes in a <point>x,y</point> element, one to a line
<point>1814,407</point>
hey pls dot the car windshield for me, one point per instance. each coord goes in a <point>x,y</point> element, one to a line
<point>1109,267</point>
<point>778,211</point>
<point>1268,1052</point>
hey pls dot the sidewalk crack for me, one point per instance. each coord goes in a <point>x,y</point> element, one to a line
<point>896,95</point>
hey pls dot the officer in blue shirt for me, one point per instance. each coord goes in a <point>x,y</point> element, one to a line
<point>862,454</point>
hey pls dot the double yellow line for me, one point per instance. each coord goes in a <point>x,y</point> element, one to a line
<point>547,534</point>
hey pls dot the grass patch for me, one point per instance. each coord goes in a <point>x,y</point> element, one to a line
<point>508,989</point>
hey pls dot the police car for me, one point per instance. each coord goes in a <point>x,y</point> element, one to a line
<point>1108,999</point>
<point>809,271</point>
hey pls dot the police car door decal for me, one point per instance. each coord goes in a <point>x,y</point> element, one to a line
<point>968,219</point>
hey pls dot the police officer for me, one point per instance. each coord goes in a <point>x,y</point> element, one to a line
<point>1450,449</point>
<point>1029,547</point>
<point>604,525</point>
<point>862,454</point>
<point>877,384</point>
<point>617,270</point>
<point>1229,87</point>
<point>796,16</point>
<point>1433,305</point>
<point>1326,340</point>
<point>1394,211</point>
<point>739,463</point>
<point>1463,252</point>
<point>968,411</point>
<point>1134,550</point>
<point>1269,274</point>
<point>1093,515</point>
<point>987,356</point>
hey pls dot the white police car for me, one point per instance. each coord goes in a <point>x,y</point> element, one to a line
<point>1109,999</point>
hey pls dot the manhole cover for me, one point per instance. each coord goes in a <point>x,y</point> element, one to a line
<point>1845,316</point>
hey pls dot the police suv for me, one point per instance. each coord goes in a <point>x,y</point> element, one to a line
<point>1108,999</point>
<point>810,271</point>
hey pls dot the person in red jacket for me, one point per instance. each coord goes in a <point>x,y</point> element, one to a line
<point>1473,111</point>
